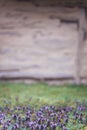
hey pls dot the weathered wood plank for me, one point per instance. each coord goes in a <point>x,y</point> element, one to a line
<point>82,20</point>
<point>68,3</point>
<point>13,73</point>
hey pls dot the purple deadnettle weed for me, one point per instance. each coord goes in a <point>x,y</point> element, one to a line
<point>47,117</point>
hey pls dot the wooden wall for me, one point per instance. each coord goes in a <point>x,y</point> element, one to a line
<point>40,43</point>
<point>71,3</point>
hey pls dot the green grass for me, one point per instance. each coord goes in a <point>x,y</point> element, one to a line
<point>40,94</point>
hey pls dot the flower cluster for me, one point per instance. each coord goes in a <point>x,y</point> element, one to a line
<point>46,118</point>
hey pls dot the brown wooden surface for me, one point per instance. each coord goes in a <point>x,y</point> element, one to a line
<point>40,42</point>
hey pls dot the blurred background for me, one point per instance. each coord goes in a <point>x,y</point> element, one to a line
<point>36,43</point>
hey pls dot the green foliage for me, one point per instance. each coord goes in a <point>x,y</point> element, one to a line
<point>41,94</point>
<point>36,96</point>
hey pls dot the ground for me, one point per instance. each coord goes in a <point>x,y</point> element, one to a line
<point>42,93</point>
<point>42,107</point>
